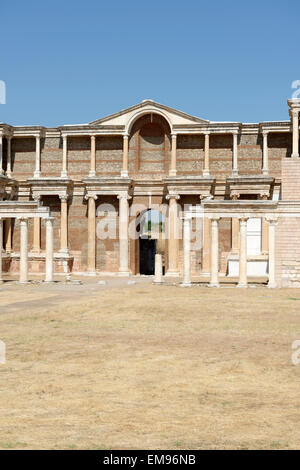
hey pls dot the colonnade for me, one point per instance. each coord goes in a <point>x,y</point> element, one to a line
<point>214,250</point>
<point>173,166</point>
<point>23,272</point>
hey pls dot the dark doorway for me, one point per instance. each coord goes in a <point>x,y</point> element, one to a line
<point>147,256</point>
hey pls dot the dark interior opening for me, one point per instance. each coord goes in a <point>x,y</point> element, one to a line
<point>147,256</point>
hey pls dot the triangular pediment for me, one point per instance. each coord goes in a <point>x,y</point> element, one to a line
<point>124,117</point>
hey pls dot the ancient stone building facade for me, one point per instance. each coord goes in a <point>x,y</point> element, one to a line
<point>109,174</point>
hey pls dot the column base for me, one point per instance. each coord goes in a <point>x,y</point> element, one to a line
<point>272,285</point>
<point>206,173</point>
<point>295,155</point>
<point>242,285</point>
<point>48,282</point>
<point>90,273</point>
<point>172,173</point>
<point>213,284</point>
<point>185,284</point>
<point>22,282</point>
<point>124,174</point>
<point>124,273</point>
<point>234,173</point>
<point>64,174</point>
<point>172,273</point>
<point>37,174</point>
<point>92,174</point>
<point>64,251</point>
<point>265,172</point>
<point>157,282</point>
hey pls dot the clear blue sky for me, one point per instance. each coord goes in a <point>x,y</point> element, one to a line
<point>71,62</point>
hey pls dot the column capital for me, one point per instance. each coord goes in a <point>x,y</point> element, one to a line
<point>214,218</point>
<point>243,219</point>
<point>36,197</point>
<point>206,197</point>
<point>91,196</point>
<point>124,196</point>
<point>235,195</point>
<point>173,135</point>
<point>172,196</point>
<point>126,136</point>
<point>272,220</point>
<point>63,197</point>
<point>22,219</point>
<point>235,132</point>
<point>264,195</point>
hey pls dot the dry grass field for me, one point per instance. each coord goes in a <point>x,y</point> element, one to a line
<point>153,367</point>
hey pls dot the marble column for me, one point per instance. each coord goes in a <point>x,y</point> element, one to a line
<point>49,250</point>
<point>272,275</point>
<point>92,172</point>
<point>186,252</point>
<point>173,170</point>
<point>265,166</point>
<point>243,282</point>
<point>9,167</point>
<point>23,250</point>
<point>1,156</point>
<point>123,234</point>
<point>37,171</point>
<point>214,262</point>
<point>64,172</point>
<point>173,242</point>
<point>235,154</point>
<point>64,224</point>
<point>206,155</point>
<point>295,125</point>
<point>91,268</point>
<point>1,250</point>
<point>124,172</point>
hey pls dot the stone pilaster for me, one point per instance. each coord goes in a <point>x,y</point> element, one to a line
<point>295,126</point>
<point>265,165</point>
<point>206,155</point>
<point>64,171</point>
<point>124,172</point>
<point>92,172</point>
<point>173,170</point>
<point>37,171</point>
<point>235,154</point>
